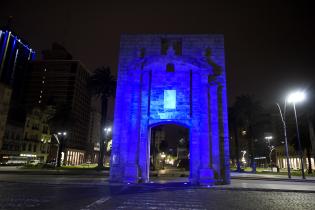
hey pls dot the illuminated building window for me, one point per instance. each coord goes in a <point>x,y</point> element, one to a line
<point>169,99</point>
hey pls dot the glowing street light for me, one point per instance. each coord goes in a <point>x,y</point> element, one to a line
<point>107,130</point>
<point>271,148</point>
<point>294,98</point>
<point>268,138</point>
<point>62,135</point>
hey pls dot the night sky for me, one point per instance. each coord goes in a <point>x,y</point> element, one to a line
<point>269,46</point>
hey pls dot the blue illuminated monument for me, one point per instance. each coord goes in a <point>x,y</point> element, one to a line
<point>171,79</point>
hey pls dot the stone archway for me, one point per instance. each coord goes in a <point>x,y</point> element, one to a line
<point>161,84</point>
<point>164,123</point>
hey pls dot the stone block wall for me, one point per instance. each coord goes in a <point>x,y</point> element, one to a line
<point>178,79</point>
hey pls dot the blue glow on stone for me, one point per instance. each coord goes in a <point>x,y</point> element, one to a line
<point>147,95</point>
<point>169,99</point>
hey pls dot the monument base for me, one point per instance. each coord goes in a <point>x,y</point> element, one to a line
<point>206,177</point>
<point>131,174</point>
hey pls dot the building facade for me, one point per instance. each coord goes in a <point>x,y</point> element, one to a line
<point>37,132</point>
<point>63,84</point>
<point>31,141</point>
<point>5,95</point>
<point>14,58</point>
<point>171,79</point>
<point>294,159</point>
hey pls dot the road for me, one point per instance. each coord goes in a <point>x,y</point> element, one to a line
<point>18,191</point>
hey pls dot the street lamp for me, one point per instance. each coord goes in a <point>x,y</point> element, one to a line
<point>271,148</point>
<point>60,142</point>
<point>294,98</point>
<point>282,115</point>
<point>107,130</point>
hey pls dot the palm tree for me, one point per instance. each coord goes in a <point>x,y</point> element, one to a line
<point>247,111</point>
<point>102,84</point>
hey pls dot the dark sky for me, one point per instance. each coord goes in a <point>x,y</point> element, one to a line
<point>269,45</point>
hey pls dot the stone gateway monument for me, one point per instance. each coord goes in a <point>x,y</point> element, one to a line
<point>171,79</point>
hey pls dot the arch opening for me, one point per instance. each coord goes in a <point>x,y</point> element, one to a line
<point>169,151</point>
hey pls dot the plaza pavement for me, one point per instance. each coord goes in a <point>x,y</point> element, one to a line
<point>27,189</point>
<point>239,181</point>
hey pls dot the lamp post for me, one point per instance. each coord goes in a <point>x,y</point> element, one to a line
<point>60,142</point>
<point>271,148</point>
<point>282,115</point>
<point>294,98</point>
<point>107,130</point>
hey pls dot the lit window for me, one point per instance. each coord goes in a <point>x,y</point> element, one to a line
<point>169,99</point>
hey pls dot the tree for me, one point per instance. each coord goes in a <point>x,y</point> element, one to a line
<point>305,138</point>
<point>59,121</point>
<point>311,128</point>
<point>247,111</point>
<point>102,84</point>
<point>233,118</point>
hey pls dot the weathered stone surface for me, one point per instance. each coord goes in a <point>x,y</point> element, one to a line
<point>162,84</point>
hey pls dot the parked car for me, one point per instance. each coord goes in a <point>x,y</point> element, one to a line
<point>34,162</point>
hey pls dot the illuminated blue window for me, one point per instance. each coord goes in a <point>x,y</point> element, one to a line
<point>169,99</point>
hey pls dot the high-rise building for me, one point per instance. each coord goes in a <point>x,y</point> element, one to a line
<point>14,57</point>
<point>63,83</point>
<point>5,95</point>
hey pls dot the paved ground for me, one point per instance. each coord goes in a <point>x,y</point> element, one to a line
<point>20,191</point>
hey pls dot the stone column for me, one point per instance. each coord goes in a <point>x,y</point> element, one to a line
<point>223,135</point>
<point>195,129</point>
<point>131,167</point>
<point>119,130</point>
<point>206,176</point>
<point>144,146</point>
<point>214,128</point>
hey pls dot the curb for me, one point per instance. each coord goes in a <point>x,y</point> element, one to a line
<point>217,188</point>
<point>273,179</point>
<point>101,173</point>
<point>262,189</point>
